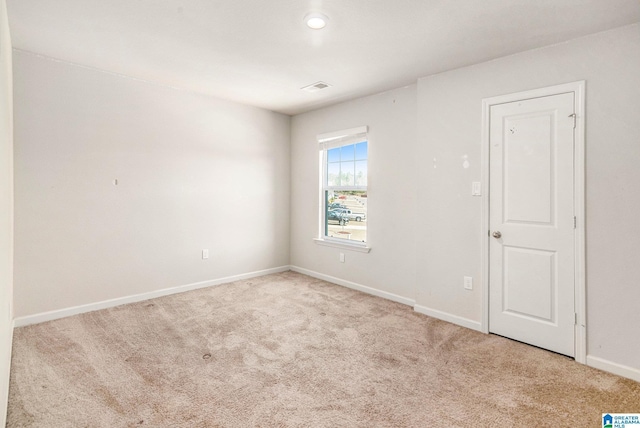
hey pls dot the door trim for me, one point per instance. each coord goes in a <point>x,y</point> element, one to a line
<point>578,88</point>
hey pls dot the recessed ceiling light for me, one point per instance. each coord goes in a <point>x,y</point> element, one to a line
<point>316,21</point>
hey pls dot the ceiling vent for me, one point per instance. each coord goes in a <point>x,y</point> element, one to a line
<point>318,86</point>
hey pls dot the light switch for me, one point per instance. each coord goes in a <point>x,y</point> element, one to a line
<point>476,188</point>
<point>468,283</point>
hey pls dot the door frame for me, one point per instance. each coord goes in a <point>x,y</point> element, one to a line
<point>578,89</point>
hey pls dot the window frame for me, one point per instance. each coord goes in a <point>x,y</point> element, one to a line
<point>326,142</point>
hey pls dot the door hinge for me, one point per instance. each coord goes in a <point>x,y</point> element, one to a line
<point>575,222</point>
<point>573,115</point>
<point>575,318</point>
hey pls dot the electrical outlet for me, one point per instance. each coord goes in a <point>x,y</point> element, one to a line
<point>468,283</point>
<point>205,254</point>
<point>341,257</point>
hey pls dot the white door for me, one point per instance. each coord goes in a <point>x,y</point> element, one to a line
<point>531,217</point>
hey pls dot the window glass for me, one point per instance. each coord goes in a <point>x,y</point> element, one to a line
<point>361,173</point>
<point>346,173</point>
<point>333,174</point>
<point>346,215</point>
<point>333,155</point>
<point>361,151</point>
<point>348,153</point>
<point>344,190</point>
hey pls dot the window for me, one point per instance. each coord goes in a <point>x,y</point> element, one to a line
<point>343,157</point>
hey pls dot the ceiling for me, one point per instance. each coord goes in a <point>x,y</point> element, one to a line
<point>259,52</point>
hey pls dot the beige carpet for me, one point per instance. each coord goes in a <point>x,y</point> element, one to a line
<point>287,350</point>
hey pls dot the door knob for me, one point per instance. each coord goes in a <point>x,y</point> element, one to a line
<point>497,234</point>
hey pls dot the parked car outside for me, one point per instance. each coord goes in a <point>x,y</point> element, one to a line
<point>351,215</point>
<point>336,205</point>
<point>337,216</point>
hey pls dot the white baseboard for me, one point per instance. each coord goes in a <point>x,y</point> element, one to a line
<point>355,286</point>
<point>615,368</point>
<point>445,316</point>
<point>61,313</point>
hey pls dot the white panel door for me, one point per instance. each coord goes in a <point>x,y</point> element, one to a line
<point>531,217</point>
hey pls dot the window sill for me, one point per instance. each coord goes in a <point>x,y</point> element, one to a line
<point>362,248</point>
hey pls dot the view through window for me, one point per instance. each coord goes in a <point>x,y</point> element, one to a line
<point>344,165</point>
<point>346,215</point>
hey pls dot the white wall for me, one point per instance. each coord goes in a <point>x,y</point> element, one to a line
<point>449,118</point>
<point>391,203</point>
<point>425,227</point>
<point>193,172</point>
<point>6,209</point>
<point>196,172</point>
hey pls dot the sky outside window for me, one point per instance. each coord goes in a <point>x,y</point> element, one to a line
<point>347,165</point>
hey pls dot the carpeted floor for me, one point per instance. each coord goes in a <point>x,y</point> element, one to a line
<point>287,350</point>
